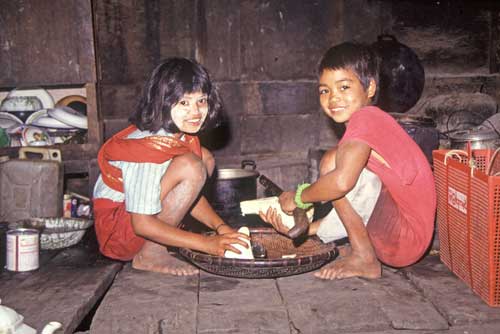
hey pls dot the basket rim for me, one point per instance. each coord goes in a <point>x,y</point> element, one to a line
<point>203,258</point>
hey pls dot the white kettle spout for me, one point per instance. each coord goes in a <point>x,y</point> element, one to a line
<point>51,327</point>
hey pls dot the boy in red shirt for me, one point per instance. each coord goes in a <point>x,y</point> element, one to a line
<point>400,227</point>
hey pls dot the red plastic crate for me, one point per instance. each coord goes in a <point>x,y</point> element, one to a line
<point>468,214</point>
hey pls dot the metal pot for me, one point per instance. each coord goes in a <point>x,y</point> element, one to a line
<point>402,76</point>
<point>478,138</point>
<point>231,186</point>
<point>422,130</point>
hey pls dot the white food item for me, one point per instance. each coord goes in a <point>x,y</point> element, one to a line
<point>262,204</point>
<point>289,256</point>
<point>246,253</point>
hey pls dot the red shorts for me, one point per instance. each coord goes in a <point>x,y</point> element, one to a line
<point>114,230</point>
<point>397,241</point>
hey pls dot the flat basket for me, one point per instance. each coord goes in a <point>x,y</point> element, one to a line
<point>309,255</point>
<point>468,218</point>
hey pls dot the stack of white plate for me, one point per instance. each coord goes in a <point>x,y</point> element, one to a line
<point>58,118</point>
<point>47,124</point>
<point>59,122</point>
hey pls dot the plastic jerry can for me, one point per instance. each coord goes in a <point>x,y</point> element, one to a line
<point>32,185</point>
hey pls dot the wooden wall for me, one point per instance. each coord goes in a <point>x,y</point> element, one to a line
<point>263,56</point>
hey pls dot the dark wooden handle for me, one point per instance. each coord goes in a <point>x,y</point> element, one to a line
<point>299,215</point>
<point>301,223</point>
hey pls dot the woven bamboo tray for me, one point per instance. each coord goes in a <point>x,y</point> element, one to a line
<point>310,255</point>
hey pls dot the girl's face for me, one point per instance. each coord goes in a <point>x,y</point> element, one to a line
<point>190,112</point>
<point>341,94</point>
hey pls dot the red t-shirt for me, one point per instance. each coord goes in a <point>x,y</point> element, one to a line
<point>409,181</point>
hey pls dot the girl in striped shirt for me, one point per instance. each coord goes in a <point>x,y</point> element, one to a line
<point>153,171</point>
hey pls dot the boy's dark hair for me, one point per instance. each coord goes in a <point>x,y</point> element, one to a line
<point>358,57</point>
<point>168,83</point>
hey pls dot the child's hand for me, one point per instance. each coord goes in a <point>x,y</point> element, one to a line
<point>287,201</point>
<point>274,218</point>
<point>225,229</point>
<point>218,244</point>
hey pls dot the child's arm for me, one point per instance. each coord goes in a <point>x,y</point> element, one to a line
<point>204,213</point>
<point>151,228</point>
<point>351,158</point>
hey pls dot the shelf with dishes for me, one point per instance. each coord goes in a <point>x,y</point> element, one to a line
<point>32,117</point>
<point>63,117</point>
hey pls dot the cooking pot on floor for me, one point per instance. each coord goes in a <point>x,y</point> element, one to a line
<point>231,186</point>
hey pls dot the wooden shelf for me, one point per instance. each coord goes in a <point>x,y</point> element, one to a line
<point>50,44</point>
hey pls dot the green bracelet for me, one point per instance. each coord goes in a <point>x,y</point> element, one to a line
<point>298,195</point>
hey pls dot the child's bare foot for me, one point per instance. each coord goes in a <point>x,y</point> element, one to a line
<point>154,257</point>
<point>352,265</point>
<point>344,250</point>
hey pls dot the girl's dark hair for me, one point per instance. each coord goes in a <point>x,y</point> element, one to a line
<point>358,57</point>
<point>168,83</point>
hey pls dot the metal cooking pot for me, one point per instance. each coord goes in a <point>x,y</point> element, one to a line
<point>478,138</point>
<point>401,78</point>
<point>231,186</point>
<point>422,130</point>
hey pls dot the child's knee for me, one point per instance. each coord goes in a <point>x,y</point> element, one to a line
<point>193,167</point>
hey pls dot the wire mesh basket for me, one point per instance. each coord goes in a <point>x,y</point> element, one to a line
<point>284,258</point>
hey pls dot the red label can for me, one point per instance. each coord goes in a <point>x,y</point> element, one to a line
<point>23,249</point>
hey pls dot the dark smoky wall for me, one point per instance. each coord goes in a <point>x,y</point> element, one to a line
<point>263,57</point>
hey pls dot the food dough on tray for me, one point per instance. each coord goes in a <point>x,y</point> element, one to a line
<point>246,253</point>
<point>262,204</point>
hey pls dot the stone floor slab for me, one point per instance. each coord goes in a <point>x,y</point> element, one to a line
<point>145,302</point>
<point>63,294</point>
<point>405,307</point>
<point>220,290</point>
<point>319,306</point>
<point>451,297</point>
<point>244,318</point>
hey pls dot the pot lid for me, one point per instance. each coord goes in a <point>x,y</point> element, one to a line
<point>12,322</point>
<point>235,173</point>
<point>474,134</point>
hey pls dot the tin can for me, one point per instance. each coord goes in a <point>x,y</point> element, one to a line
<point>22,250</point>
<point>67,206</point>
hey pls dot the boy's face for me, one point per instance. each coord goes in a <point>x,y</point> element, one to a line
<point>190,112</point>
<point>341,94</point>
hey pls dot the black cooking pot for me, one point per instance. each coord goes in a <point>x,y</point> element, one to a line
<point>422,130</point>
<point>402,76</point>
<point>231,186</point>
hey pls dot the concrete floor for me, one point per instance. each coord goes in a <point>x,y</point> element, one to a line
<point>91,294</point>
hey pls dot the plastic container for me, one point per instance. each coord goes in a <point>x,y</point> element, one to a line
<point>31,186</point>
